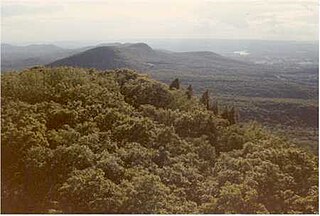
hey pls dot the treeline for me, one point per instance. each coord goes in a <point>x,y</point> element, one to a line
<point>83,141</point>
<point>229,113</point>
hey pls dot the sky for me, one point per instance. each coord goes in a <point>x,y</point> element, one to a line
<point>111,20</point>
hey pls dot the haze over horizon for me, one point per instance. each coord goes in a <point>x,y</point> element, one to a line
<point>34,21</point>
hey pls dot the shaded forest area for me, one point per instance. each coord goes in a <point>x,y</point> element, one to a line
<point>288,106</point>
<point>84,141</point>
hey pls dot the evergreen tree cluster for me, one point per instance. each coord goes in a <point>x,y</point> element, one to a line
<point>228,113</point>
<point>84,141</point>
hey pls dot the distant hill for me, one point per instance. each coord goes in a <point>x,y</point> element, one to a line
<point>20,57</point>
<point>109,57</point>
<point>142,57</point>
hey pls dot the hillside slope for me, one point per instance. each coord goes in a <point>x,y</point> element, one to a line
<point>83,141</point>
<point>140,56</point>
<point>21,57</point>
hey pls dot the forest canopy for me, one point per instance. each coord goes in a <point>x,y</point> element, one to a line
<point>85,141</point>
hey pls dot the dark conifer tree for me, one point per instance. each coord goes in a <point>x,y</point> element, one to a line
<point>215,108</point>
<point>225,113</point>
<point>205,99</point>
<point>175,84</point>
<point>189,92</point>
<point>231,116</point>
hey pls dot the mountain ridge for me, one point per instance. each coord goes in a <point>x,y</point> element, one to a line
<point>140,56</point>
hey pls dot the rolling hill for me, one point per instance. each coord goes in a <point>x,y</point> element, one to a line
<point>140,56</point>
<point>15,57</point>
<point>19,57</point>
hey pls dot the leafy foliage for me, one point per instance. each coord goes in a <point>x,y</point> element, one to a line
<point>84,141</point>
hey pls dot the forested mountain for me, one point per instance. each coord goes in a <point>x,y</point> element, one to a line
<point>21,57</point>
<point>84,141</point>
<point>142,57</point>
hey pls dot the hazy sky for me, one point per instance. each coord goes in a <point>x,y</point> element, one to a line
<point>97,20</point>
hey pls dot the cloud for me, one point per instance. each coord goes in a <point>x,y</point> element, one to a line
<point>105,19</point>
